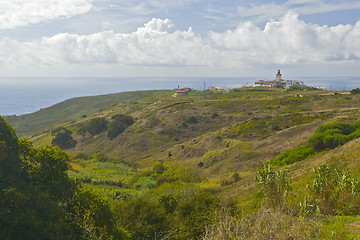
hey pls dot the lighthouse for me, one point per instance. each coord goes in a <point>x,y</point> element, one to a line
<point>278,76</point>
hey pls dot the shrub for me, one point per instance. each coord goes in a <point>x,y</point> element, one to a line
<point>81,155</point>
<point>235,177</point>
<point>195,212</point>
<point>159,168</point>
<point>335,191</point>
<point>115,128</point>
<point>293,155</point>
<point>190,119</point>
<point>355,124</point>
<point>353,135</point>
<point>101,157</point>
<point>128,120</point>
<point>344,128</point>
<point>118,125</point>
<point>215,115</point>
<point>275,186</point>
<point>327,139</point>
<point>355,91</point>
<point>143,217</point>
<point>169,202</point>
<point>97,125</point>
<point>63,138</point>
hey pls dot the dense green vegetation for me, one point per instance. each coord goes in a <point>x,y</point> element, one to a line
<point>63,138</point>
<point>144,165</point>
<point>327,136</point>
<point>96,125</point>
<point>38,199</point>
<point>118,125</point>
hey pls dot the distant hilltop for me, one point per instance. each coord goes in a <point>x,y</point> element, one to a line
<point>278,82</point>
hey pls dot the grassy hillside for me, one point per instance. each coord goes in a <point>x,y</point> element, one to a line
<point>76,109</point>
<point>211,140</point>
<point>215,132</point>
<point>205,126</point>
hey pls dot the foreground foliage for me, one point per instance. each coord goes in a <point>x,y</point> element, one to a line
<point>318,215</point>
<point>38,200</point>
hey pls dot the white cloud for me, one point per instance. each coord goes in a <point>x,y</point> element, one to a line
<point>17,13</point>
<point>287,41</point>
<point>272,10</point>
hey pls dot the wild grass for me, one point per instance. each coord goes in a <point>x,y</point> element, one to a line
<point>100,173</point>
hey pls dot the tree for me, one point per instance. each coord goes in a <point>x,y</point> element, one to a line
<point>38,200</point>
<point>10,168</point>
<point>63,138</point>
<point>82,131</point>
<point>355,91</point>
<point>47,169</point>
<point>128,120</point>
<point>118,125</point>
<point>97,125</point>
<point>115,129</point>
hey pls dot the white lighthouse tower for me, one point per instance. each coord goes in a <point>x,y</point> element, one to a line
<point>278,76</point>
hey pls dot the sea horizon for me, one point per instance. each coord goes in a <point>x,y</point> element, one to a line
<point>24,95</point>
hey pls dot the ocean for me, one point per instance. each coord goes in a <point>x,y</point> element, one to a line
<point>20,96</point>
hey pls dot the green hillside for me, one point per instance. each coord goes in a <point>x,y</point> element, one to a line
<point>74,109</point>
<point>178,155</point>
<point>199,126</point>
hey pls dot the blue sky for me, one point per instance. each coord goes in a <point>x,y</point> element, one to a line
<point>179,38</point>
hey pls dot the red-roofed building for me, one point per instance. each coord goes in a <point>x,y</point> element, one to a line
<point>181,92</point>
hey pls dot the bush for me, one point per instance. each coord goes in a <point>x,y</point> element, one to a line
<point>353,135</point>
<point>81,155</point>
<point>159,168</point>
<point>115,129</point>
<point>38,199</point>
<point>169,202</point>
<point>63,138</point>
<point>355,91</point>
<point>327,136</point>
<point>335,191</point>
<point>355,124</point>
<point>328,139</point>
<point>332,135</point>
<point>235,177</point>
<point>128,120</point>
<point>293,155</point>
<point>275,186</point>
<point>195,211</point>
<point>143,217</point>
<point>344,128</point>
<point>214,115</point>
<point>101,157</point>
<point>97,125</point>
<point>118,125</point>
<point>190,119</point>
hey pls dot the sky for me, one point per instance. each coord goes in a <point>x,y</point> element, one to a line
<point>179,38</point>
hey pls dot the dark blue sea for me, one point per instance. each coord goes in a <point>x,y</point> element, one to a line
<point>20,96</point>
